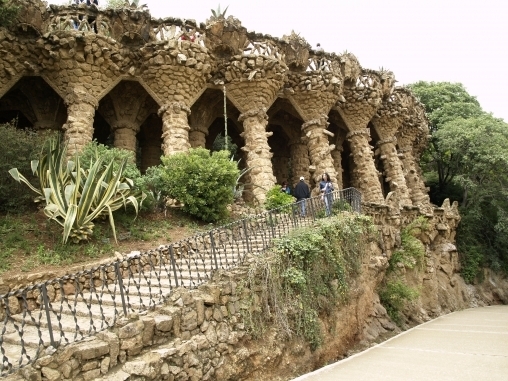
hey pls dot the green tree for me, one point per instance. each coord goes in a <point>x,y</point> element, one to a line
<point>8,12</point>
<point>477,147</point>
<point>444,102</point>
<point>467,160</point>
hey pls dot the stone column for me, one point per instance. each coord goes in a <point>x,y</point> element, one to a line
<point>392,165</point>
<point>365,176</point>
<point>197,136</point>
<point>175,128</point>
<point>125,136</point>
<point>319,149</point>
<point>78,130</point>
<point>337,164</point>
<point>259,157</point>
<point>299,160</point>
<point>414,181</point>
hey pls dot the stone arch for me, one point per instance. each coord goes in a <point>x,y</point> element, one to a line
<point>37,104</point>
<point>207,119</point>
<point>290,154</point>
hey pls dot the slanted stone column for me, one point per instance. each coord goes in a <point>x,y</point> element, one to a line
<point>365,176</point>
<point>259,157</point>
<point>337,164</point>
<point>362,99</point>
<point>299,160</point>
<point>387,121</point>
<point>175,128</point>
<point>392,165</point>
<point>78,130</point>
<point>412,173</point>
<point>125,136</point>
<point>319,149</point>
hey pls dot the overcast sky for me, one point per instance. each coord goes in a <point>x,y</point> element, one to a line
<point>433,40</point>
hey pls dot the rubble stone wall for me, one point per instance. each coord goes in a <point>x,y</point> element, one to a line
<point>201,334</point>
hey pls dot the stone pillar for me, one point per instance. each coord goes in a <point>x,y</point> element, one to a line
<point>150,154</point>
<point>337,164</point>
<point>300,161</point>
<point>414,181</point>
<point>175,128</point>
<point>365,176</point>
<point>392,165</point>
<point>319,149</point>
<point>125,136</point>
<point>78,130</point>
<point>197,136</point>
<point>259,157</point>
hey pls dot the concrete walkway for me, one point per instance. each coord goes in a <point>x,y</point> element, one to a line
<point>469,345</point>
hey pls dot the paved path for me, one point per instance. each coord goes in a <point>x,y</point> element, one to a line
<point>469,345</point>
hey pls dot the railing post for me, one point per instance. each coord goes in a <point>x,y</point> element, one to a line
<point>173,264</point>
<point>272,222</point>
<point>48,315</point>
<point>312,209</point>
<point>212,241</point>
<point>246,235</point>
<point>120,286</point>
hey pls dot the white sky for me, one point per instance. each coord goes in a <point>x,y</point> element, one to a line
<point>433,40</point>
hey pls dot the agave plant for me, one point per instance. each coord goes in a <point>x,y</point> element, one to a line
<point>218,14</point>
<point>74,196</point>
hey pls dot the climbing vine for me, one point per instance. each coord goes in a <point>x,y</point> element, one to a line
<point>395,293</point>
<point>305,275</point>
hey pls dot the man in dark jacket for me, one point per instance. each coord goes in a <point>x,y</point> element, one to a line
<point>301,193</point>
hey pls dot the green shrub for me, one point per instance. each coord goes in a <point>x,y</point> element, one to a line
<point>17,149</point>
<point>201,180</point>
<point>275,198</point>
<point>8,12</point>
<point>93,151</point>
<point>394,296</point>
<point>395,293</point>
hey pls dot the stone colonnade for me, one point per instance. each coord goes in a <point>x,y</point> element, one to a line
<point>175,63</point>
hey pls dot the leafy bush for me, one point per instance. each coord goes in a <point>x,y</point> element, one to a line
<point>201,180</point>
<point>17,149</point>
<point>395,293</point>
<point>74,196</point>
<point>275,198</point>
<point>93,151</point>
<point>394,296</point>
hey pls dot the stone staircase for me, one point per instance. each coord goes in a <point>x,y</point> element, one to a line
<point>43,320</point>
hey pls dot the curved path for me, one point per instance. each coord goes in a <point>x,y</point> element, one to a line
<point>468,345</point>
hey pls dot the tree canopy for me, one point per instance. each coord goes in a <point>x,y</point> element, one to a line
<point>467,161</point>
<point>8,12</point>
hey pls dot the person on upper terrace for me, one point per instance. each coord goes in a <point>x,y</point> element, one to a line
<point>285,188</point>
<point>88,2</point>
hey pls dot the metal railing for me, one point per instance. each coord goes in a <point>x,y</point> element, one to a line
<point>69,309</point>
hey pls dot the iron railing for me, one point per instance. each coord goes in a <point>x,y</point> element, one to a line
<point>69,309</point>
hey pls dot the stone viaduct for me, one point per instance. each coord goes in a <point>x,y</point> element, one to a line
<point>156,86</point>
